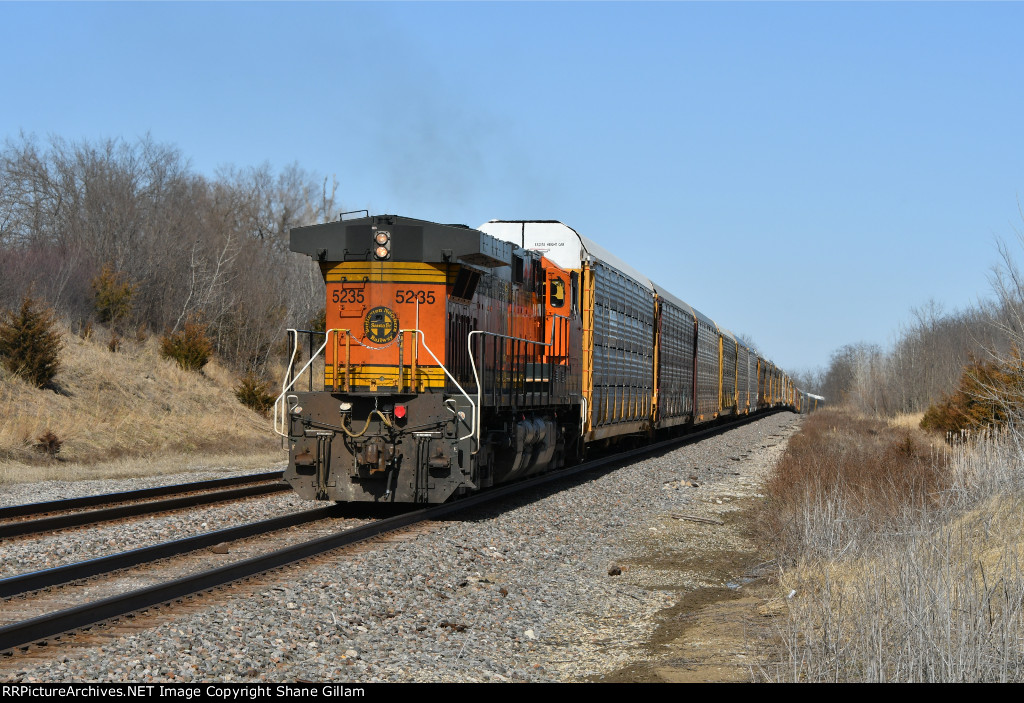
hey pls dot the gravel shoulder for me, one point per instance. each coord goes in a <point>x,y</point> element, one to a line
<point>599,580</point>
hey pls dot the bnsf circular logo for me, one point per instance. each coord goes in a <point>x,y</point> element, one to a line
<point>380,325</point>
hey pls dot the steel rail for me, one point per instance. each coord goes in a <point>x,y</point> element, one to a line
<point>58,522</point>
<point>44,627</point>
<point>46,578</point>
<point>156,492</point>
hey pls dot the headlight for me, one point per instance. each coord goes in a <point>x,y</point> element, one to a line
<point>382,242</point>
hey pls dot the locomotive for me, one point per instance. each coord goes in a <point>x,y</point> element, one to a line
<point>455,359</point>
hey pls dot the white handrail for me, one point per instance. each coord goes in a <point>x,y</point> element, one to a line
<point>285,386</point>
<point>420,337</point>
<point>280,416</point>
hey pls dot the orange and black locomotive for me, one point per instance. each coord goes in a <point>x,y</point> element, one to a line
<point>451,362</point>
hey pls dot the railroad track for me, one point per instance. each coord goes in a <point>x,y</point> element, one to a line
<point>36,518</point>
<point>59,575</point>
<point>44,628</point>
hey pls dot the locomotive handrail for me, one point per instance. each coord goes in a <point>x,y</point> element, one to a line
<point>419,338</point>
<point>422,339</point>
<point>280,415</point>
<point>476,375</point>
<point>288,385</point>
<point>414,361</point>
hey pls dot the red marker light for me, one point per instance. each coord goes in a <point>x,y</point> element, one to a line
<point>400,411</point>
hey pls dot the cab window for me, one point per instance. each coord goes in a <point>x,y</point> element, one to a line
<point>557,293</point>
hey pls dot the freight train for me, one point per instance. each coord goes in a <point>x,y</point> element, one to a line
<point>455,359</point>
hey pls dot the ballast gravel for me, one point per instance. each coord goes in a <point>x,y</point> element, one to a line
<point>35,552</point>
<point>549,588</point>
<point>45,491</point>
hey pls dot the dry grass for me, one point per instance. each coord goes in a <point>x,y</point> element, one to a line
<point>907,421</point>
<point>924,586</point>
<point>930,603</point>
<point>843,476</point>
<point>112,409</point>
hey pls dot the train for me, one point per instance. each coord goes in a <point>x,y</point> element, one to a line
<point>454,359</point>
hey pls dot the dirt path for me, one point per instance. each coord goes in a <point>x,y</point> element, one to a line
<point>726,616</point>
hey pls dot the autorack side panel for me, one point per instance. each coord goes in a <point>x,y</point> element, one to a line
<point>623,353</point>
<point>762,382</point>
<point>742,379</point>
<point>676,351</point>
<point>707,369</point>
<point>752,367</point>
<point>728,373</point>
<point>773,385</point>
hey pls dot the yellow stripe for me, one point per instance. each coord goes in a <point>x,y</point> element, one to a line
<point>587,305</point>
<point>426,376</point>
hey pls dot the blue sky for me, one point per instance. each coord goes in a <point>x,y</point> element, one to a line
<point>803,173</point>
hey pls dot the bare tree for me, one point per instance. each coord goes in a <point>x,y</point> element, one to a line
<point>190,246</point>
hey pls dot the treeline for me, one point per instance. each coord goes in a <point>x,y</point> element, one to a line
<point>127,234</point>
<point>937,356</point>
